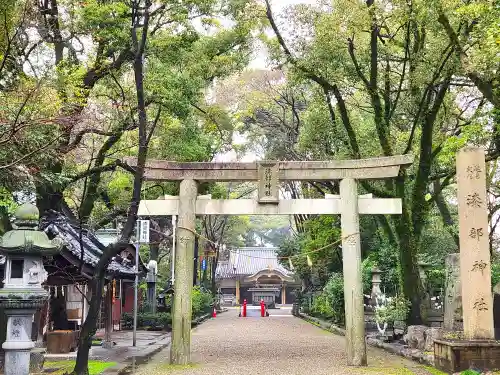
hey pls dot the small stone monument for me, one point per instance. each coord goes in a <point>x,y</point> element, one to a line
<point>478,349</point>
<point>426,298</point>
<point>453,294</point>
<point>24,248</point>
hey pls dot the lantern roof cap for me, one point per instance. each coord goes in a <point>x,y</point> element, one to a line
<point>26,213</point>
<point>25,238</point>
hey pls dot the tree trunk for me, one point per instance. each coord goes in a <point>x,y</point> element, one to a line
<point>89,326</point>
<point>408,249</point>
<point>97,284</point>
<point>214,270</point>
<point>48,194</point>
<point>442,206</point>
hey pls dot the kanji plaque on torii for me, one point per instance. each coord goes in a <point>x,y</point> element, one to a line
<point>268,182</point>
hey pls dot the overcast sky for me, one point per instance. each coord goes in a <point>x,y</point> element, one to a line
<point>260,62</point>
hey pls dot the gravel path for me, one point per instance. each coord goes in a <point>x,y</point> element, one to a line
<point>281,345</point>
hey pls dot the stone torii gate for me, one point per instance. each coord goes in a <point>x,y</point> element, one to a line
<point>268,174</point>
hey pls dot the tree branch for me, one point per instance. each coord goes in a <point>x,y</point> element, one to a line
<point>350,48</point>
<point>109,217</point>
<point>484,86</point>
<point>320,81</point>
<point>30,154</point>
<point>102,168</point>
<point>422,107</point>
<point>78,137</point>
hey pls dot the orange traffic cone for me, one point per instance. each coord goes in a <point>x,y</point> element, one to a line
<point>214,313</point>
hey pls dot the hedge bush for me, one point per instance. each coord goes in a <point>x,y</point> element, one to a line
<point>329,303</point>
<point>158,321</point>
<point>202,302</point>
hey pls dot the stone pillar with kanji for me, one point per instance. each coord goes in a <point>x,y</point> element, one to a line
<point>475,263</point>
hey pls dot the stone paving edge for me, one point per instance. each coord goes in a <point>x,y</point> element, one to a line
<point>123,368</point>
<point>412,354</point>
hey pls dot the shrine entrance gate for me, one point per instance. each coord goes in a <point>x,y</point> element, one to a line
<point>268,174</point>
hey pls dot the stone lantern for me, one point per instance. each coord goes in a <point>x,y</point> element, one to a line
<point>151,282</point>
<point>24,248</point>
<point>376,281</point>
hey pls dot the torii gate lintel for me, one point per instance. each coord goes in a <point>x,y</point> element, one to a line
<point>372,168</point>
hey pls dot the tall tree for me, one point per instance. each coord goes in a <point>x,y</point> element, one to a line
<point>391,84</point>
<point>88,76</point>
<point>113,73</point>
<point>139,37</point>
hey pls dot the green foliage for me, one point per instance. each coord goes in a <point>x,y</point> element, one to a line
<point>146,320</point>
<point>322,233</point>
<point>7,201</point>
<point>321,307</point>
<point>436,277</point>
<point>395,309</point>
<point>495,273</point>
<point>291,248</point>
<point>329,303</point>
<point>470,372</point>
<point>385,257</point>
<point>95,367</point>
<point>105,22</point>
<point>334,291</point>
<point>187,141</point>
<point>202,301</point>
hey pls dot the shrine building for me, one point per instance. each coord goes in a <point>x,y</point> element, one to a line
<point>254,273</point>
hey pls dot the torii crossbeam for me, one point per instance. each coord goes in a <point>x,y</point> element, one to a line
<point>268,174</point>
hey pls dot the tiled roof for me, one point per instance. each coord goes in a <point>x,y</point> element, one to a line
<point>247,261</point>
<point>56,224</point>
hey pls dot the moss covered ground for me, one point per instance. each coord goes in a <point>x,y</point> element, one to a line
<point>65,367</point>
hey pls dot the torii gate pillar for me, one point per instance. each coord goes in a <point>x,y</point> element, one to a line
<point>353,283</point>
<point>180,347</point>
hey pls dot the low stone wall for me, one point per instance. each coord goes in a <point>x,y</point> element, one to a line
<point>327,326</point>
<point>416,355</point>
<point>392,347</point>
